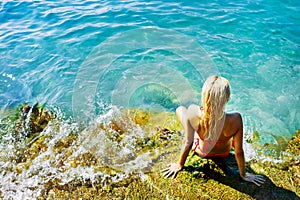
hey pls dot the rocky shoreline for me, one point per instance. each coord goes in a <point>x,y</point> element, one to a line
<point>200,178</point>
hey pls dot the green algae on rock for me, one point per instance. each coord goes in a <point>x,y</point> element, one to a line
<point>161,140</point>
<point>201,179</point>
<point>293,146</point>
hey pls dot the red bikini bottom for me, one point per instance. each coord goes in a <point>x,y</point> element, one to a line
<point>206,155</point>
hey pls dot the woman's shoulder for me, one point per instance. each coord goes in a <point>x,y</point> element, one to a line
<point>233,122</point>
<point>234,115</point>
<point>234,119</point>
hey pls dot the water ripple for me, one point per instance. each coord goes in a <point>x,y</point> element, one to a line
<point>255,44</point>
<point>42,44</point>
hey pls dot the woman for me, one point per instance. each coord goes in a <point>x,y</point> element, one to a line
<point>210,132</point>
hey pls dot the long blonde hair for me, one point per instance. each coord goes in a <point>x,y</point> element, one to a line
<point>215,95</point>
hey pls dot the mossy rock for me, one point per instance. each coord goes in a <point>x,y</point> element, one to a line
<point>200,179</point>
<point>293,146</point>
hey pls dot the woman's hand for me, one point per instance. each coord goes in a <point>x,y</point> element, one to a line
<point>256,179</point>
<point>172,170</point>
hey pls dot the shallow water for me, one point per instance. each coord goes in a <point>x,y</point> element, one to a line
<point>81,57</point>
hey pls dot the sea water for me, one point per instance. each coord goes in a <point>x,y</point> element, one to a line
<point>83,57</point>
<point>50,51</point>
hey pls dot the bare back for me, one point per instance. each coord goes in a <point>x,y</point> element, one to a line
<point>232,125</point>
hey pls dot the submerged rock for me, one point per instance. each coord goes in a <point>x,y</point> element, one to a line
<point>32,120</point>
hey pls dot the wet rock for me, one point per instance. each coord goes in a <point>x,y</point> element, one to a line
<point>32,120</point>
<point>140,117</point>
<point>293,146</point>
<point>165,133</point>
<point>254,137</point>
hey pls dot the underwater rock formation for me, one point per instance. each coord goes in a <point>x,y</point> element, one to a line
<point>32,120</point>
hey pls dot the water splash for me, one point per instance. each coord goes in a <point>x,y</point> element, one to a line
<point>111,149</point>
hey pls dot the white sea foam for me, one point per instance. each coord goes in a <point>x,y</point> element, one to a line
<point>62,165</point>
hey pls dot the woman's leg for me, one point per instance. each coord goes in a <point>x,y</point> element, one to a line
<point>181,113</point>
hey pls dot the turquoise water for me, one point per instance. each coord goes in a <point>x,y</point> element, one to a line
<point>86,59</point>
<point>82,56</point>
